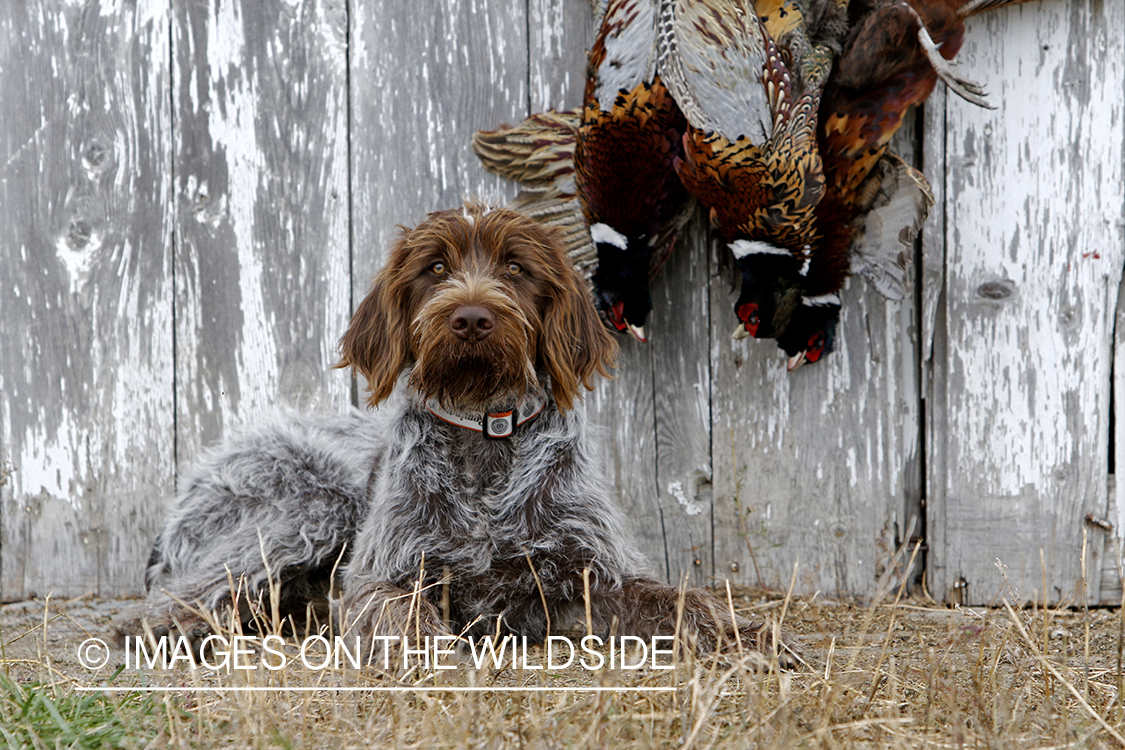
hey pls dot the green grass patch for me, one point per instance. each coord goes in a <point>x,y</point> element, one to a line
<point>43,715</point>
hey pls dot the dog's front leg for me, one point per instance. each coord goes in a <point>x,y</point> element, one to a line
<point>385,617</point>
<point>645,607</point>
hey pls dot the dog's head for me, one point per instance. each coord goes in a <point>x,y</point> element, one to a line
<point>482,302</point>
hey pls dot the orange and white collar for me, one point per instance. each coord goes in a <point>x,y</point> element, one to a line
<point>493,424</point>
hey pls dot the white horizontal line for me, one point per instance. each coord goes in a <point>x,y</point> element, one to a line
<point>373,689</point>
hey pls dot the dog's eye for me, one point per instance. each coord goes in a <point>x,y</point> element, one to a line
<point>514,269</point>
<point>438,268</point>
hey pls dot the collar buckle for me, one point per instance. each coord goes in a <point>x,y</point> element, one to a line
<point>495,426</point>
<point>501,425</point>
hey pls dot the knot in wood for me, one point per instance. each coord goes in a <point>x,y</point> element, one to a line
<point>78,234</point>
<point>996,290</point>
<point>94,155</point>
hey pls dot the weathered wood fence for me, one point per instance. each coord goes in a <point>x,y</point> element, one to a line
<point>195,193</point>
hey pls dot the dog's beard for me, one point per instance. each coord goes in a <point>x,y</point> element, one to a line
<point>471,384</point>
<point>486,375</point>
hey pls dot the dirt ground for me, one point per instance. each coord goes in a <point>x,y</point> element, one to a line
<point>914,674</point>
<point>39,635</point>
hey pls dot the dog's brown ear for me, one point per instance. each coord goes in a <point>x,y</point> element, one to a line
<point>575,344</point>
<point>376,342</point>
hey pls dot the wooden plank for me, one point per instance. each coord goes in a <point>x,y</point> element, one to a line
<point>622,409</point>
<point>395,135</point>
<point>1113,552</point>
<point>86,438</point>
<point>812,469</point>
<point>261,182</point>
<point>909,144</point>
<point>679,334</point>
<point>422,84</point>
<point>665,484</point>
<point>560,33</point>
<point>822,468</point>
<point>657,408</point>
<point>1033,261</point>
<point>932,320</point>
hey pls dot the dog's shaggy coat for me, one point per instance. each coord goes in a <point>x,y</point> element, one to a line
<point>483,312</point>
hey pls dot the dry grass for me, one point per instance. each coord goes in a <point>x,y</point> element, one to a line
<point>898,674</point>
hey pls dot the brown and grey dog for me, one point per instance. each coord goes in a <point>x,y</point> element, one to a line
<point>479,480</point>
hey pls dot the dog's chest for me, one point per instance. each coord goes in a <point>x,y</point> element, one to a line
<point>480,473</point>
<point>485,473</point>
<point>487,501</point>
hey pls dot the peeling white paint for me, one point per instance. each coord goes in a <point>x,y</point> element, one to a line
<point>78,262</point>
<point>225,44</point>
<point>691,508</point>
<point>1028,355</point>
<point>51,463</point>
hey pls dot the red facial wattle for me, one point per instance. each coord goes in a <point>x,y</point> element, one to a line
<point>617,316</point>
<point>815,347</point>
<point>748,314</point>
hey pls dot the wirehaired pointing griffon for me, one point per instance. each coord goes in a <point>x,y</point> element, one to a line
<point>480,481</point>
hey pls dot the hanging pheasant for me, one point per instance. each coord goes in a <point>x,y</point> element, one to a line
<point>751,154</point>
<point>624,145</point>
<point>875,204</point>
<point>801,212</point>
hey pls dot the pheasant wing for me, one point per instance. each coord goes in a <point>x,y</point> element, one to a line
<point>899,203</point>
<point>623,55</point>
<point>714,55</point>
<point>537,153</point>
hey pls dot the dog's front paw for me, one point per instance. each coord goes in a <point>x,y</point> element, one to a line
<point>767,639</point>
<point>714,632</point>
<point>160,624</point>
<point>128,623</point>
<point>388,621</point>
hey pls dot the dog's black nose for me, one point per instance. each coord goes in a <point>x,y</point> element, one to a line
<point>471,322</point>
